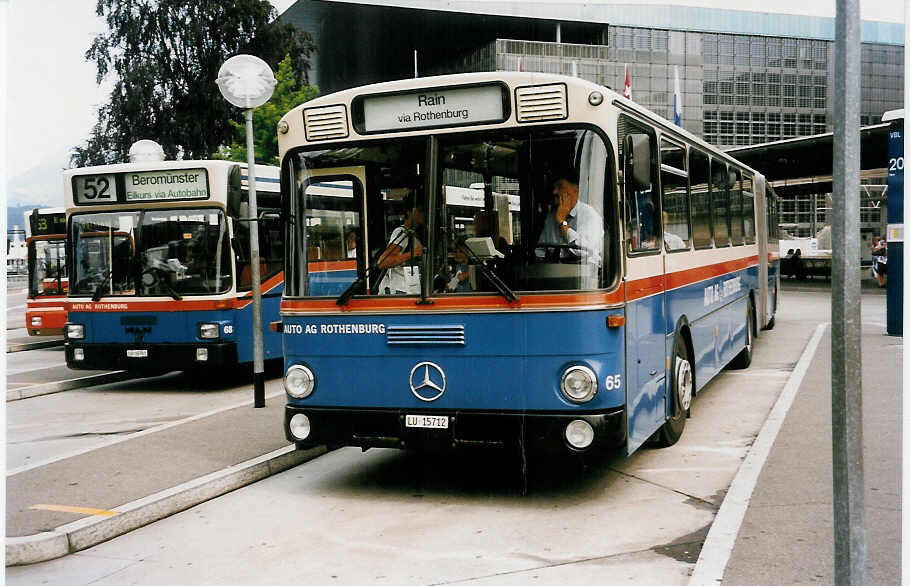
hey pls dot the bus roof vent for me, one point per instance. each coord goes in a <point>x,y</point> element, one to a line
<point>325,123</point>
<point>145,150</point>
<point>541,102</point>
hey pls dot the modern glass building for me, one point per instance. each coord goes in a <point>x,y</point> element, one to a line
<point>745,77</point>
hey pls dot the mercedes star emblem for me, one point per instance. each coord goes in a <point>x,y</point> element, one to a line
<point>429,383</point>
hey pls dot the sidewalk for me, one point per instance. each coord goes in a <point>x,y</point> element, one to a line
<point>75,503</point>
<point>787,535</point>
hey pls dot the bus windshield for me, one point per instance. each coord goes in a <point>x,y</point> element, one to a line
<point>513,210</point>
<point>151,253</point>
<point>48,261</point>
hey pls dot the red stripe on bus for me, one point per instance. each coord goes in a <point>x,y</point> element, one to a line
<point>646,287</point>
<point>694,275</point>
<point>133,304</point>
<point>325,266</point>
<point>526,301</point>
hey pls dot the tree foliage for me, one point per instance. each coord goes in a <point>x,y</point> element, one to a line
<point>288,94</point>
<point>165,55</point>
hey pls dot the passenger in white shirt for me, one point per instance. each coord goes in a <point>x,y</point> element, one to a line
<point>401,279</point>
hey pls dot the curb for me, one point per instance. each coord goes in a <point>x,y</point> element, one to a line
<point>67,385</point>
<point>721,538</point>
<point>12,347</point>
<point>90,531</point>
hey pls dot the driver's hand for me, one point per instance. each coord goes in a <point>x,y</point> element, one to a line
<point>564,207</point>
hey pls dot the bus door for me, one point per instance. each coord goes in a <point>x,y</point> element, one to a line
<point>761,229</point>
<point>645,291</point>
<point>334,235</point>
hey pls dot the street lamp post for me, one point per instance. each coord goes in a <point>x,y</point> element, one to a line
<point>247,82</point>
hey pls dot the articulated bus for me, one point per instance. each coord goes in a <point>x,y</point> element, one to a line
<point>45,239</point>
<point>609,267</point>
<point>159,264</point>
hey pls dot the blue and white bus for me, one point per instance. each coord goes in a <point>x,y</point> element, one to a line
<point>159,265</point>
<point>599,268</point>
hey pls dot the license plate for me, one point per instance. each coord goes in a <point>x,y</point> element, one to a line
<point>427,421</point>
<point>137,353</point>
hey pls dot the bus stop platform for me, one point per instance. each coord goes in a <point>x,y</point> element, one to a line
<point>74,503</point>
<point>786,534</point>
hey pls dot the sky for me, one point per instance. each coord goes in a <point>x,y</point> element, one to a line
<point>52,97</point>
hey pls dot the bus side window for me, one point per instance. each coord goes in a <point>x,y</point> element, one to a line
<point>736,207</point>
<point>674,185</point>
<point>720,203</point>
<point>639,167</point>
<point>701,199</point>
<point>748,210</point>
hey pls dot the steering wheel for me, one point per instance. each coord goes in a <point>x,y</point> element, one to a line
<point>553,252</point>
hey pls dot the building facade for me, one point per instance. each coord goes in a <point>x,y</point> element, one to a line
<point>745,78</point>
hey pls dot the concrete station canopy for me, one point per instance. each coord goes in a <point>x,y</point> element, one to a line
<point>674,16</point>
<point>805,163</point>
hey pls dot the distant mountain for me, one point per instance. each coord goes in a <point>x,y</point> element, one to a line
<point>14,216</point>
<point>40,186</point>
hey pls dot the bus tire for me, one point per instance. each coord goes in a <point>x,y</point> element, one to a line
<point>682,385</point>
<point>744,358</point>
<point>770,325</point>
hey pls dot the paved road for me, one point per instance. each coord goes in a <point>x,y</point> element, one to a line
<point>390,517</point>
<point>15,304</point>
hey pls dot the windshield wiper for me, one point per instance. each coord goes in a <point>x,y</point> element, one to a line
<point>171,290</point>
<point>371,272</point>
<point>489,274</point>
<point>99,290</point>
<point>345,297</point>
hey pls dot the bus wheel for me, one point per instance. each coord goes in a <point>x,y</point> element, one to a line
<point>744,358</point>
<point>681,387</point>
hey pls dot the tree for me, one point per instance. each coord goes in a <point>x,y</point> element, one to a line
<point>166,55</point>
<point>287,95</point>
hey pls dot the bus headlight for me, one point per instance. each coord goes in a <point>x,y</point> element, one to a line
<point>299,381</point>
<point>36,321</point>
<point>579,384</point>
<point>300,426</point>
<point>579,434</point>
<point>75,331</point>
<point>208,331</point>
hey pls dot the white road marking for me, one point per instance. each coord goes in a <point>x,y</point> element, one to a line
<point>715,553</point>
<point>161,427</point>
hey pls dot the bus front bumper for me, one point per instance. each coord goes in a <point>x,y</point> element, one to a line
<point>150,358</point>
<point>387,428</point>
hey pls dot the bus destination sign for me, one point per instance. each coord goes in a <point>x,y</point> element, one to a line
<point>433,107</point>
<point>166,185</point>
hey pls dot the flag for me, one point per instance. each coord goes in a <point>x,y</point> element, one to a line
<point>520,66</point>
<point>677,98</point>
<point>627,85</point>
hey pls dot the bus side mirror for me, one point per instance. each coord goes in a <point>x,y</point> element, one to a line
<point>638,161</point>
<point>270,216</point>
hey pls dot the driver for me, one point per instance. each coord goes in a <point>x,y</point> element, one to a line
<point>573,223</point>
